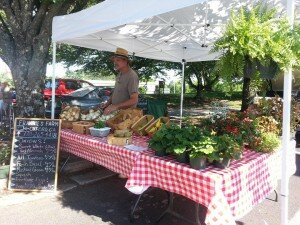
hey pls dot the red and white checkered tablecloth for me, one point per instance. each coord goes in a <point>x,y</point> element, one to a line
<point>228,194</point>
<point>97,150</point>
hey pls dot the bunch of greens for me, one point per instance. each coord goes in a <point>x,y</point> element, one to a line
<point>203,148</point>
<point>174,139</point>
<point>100,124</point>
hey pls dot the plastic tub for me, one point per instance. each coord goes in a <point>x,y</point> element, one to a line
<point>99,132</point>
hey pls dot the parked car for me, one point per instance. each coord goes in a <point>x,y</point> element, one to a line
<point>107,91</point>
<point>85,98</point>
<point>70,85</point>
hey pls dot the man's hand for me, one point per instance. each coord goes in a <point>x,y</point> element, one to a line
<point>109,109</point>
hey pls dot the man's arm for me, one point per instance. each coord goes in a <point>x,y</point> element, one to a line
<point>124,105</point>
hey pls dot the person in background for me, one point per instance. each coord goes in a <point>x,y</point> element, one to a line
<point>7,98</point>
<point>1,101</point>
<point>125,94</point>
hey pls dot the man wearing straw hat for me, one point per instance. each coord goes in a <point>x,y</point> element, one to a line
<point>125,93</point>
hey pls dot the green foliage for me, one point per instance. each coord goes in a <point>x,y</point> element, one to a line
<point>98,62</point>
<point>269,142</point>
<point>228,146</point>
<point>100,124</point>
<point>257,35</point>
<point>203,148</point>
<point>274,107</point>
<point>174,139</point>
<point>5,151</point>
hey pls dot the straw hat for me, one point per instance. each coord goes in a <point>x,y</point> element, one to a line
<point>120,53</point>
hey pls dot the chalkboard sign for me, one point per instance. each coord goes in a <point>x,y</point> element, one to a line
<point>34,158</point>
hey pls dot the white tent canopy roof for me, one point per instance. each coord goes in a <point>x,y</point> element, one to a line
<point>170,30</point>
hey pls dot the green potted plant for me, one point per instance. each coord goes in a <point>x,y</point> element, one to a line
<point>201,151</point>
<point>228,147</point>
<point>166,139</point>
<point>257,41</point>
<point>183,141</point>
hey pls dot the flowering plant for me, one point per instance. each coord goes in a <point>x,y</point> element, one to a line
<point>228,146</point>
<point>274,107</point>
<point>236,128</point>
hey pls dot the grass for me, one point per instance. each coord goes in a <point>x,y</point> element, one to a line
<point>232,99</point>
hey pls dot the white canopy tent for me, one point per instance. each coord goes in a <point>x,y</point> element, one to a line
<point>173,30</point>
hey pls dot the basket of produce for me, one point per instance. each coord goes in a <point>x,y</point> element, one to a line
<point>105,117</point>
<point>99,129</point>
<point>91,114</point>
<point>82,127</point>
<point>70,113</point>
<point>156,125</point>
<point>140,126</point>
<point>124,119</point>
<point>120,137</point>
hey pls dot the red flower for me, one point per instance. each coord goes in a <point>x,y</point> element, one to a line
<point>231,129</point>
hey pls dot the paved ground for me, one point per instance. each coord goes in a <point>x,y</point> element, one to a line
<point>107,202</point>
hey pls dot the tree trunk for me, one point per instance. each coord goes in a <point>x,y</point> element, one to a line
<point>199,93</point>
<point>29,90</point>
<point>246,98</point>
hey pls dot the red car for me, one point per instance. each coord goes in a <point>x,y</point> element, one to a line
<point>70,85</point>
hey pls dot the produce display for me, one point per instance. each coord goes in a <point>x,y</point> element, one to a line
<point>156,125</point>
<point>91,114</point>
<point>70,113</point>
<point>124,119</point>
<point>120,137</point>
<point>140,126</point>
<point>82,127</point>
<point>122,133</point>
<point>106,117</point>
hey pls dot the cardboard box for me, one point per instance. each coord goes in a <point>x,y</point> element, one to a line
<point>121,141</point>
<point>66,124</point>
<point>82,127</point>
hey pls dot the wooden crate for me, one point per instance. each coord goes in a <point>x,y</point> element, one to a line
<point>82,127</point>
<point>162,120</point>
<point>124,116</point>
<point>140,126</point>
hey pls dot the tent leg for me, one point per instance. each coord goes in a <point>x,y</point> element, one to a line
<point>182,89</point>
<point>284,192</point>
<point>53,80</point>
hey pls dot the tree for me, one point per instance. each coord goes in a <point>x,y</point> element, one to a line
<point>25,39</point>
<point>257,41</point>
<point>204,76</point>
<point>93,61</point>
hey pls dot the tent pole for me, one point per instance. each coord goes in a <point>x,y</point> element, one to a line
<point>284,191</point>
<point>182,89</point>
<point>53,80</point>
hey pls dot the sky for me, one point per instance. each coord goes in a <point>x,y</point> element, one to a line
<point>60,69</point>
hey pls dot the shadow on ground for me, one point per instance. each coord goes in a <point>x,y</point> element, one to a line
<point>109,200</point>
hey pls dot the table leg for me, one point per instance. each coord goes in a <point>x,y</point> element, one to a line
<point>169,208</point>
<point>172,212</point>
<point>65,163</point>
<point>276,197</point>
<point>131,216</point>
